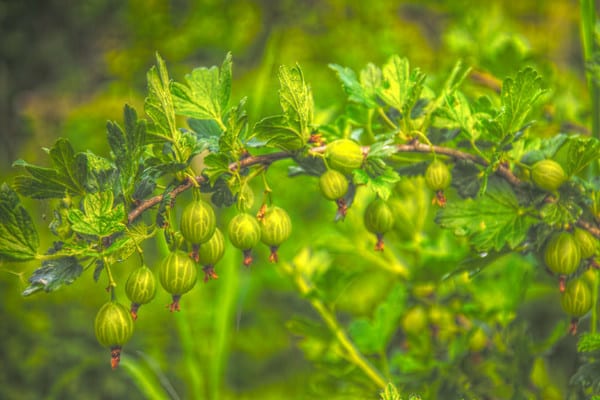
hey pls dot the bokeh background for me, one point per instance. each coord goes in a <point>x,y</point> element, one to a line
<point>68,67</point>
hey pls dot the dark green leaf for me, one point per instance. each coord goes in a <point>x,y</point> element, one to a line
<point>127,146</point>
<point>68,175</point>
<point>102,174</point>
<point>492,221</point>
<point>18,238</point>
<point>364,95</point>
<point>236,121</point>
<point>53,274</point>
<point>216,164</point>
<point>275,131</point>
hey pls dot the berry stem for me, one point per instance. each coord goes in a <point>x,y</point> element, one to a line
<point>353,354</point>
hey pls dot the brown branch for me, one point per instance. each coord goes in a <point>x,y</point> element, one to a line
<point>413,147</point>
<point>418,147</point>
<point>263,159</point>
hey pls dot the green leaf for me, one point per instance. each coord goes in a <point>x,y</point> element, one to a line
<point>492,221</point>
<point>296,100</point>
<point>159,104</point>
<point>206,94</point>
<point>68,175</point>
<point>18,238</point>
<point>576,153</point>
<point>127,146</point>
<point>291,130</point>
<point>207,132</point>
<point>377,176</point>
<point>217,164</point>
<point>98,217</point>
<point>53,274</point>
<point>363,92</point>
<point>236,121</point>
<point>275,131</point>
<point>401,88</point>
<point>588,342</point>
<point>560,213</point>
<point>372,336</point>
<point>518,96</point>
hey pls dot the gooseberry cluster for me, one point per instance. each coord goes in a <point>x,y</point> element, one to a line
<point>568,254</point>
<point>178,271</point>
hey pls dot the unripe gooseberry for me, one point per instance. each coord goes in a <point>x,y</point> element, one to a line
<point>177,275</point>
<point>198,222</point>
<point>378,219</point>
<point>437,176</point>
<point>415,321</point>
<point>576,301</point>
<point>562,255</point>
<point>548,175</point>
<point>210,253</point>
<point>140,288</point>
<point>244,234</point>
<point>344,155</point>
<point>276,227</point>
<point>586,241</point>
<point>334,186</point>
<point>113,327</point>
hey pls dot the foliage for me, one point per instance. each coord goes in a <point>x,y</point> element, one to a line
<point>441,312</point>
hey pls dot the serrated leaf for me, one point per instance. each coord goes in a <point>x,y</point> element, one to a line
<point>206,93</point>
<point>18,238</point>
<point>68,175</point>
<point>296,100</point>
<point>99,216</point>
<point>560,213</point>
<point>518,97</point>
<point>275,131</point>
<point>401,87</point>
<point>127,146</point>
<point>53,274</point>
<point>216,164</point>
<point>363,92</point>
<point>159,104</point>
<point>492,221</point>
<point>577,152</point>
<point>371,336</point>
<point>236,121</point>
<point>588,342</point>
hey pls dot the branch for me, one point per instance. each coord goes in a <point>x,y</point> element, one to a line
<point>263,159</point>
<point>412,147</point>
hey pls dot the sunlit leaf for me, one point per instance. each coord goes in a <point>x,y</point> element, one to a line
<point>401,88</point>
<point>492,221</point>
<point>206,93</point>
<point>159,104</point>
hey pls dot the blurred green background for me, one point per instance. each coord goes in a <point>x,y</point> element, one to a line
<point>68,67</point>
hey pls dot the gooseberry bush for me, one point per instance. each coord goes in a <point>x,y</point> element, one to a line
<point>500,187</point>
